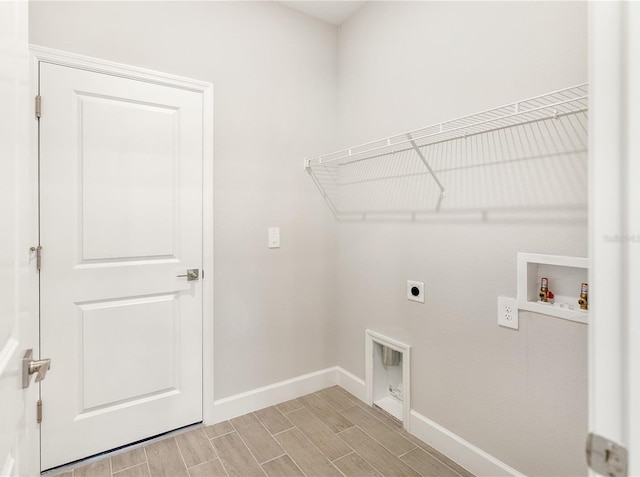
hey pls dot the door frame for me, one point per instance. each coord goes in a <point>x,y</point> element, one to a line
<point>614,225</point>
<point>40,54</point>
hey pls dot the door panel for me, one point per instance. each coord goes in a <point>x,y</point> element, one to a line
<point>121,218</point>
<point>146,363</point>
<point>18,428</point>
<point>128,155</point>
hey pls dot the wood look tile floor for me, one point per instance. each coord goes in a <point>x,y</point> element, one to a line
<point>323,434</point>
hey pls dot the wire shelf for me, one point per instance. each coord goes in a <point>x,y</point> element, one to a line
<point>543,128</point>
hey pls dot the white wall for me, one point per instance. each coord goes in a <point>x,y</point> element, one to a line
<point>274,75</point>
<point>518,395</point>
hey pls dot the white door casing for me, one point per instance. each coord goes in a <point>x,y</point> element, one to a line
<point>121,169</point>
<point>18,278</point>
<point>614,225</point>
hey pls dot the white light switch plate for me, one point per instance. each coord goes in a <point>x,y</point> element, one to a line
<point>274,237</point>
<point>508,312</point>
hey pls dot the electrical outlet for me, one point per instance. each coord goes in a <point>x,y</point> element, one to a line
<point>415,291</point>
<point>507,312</point>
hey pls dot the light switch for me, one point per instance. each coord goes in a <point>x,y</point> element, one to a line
<point>274,237</point>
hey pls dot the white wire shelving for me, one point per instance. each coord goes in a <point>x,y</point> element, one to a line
<point>329,170</point>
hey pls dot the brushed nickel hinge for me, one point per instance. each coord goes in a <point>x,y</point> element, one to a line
<point>38,106</point>
<point>606,457</point>
<point>39,411</point>
<point>38,251</point>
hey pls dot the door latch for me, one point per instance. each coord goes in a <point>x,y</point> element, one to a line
<point>193,274</point>
<point>606,457</point>
<point>30,366</point>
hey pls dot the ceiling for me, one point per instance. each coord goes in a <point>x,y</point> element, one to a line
<point>330,11</point>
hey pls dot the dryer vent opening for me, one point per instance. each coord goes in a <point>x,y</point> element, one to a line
<point>388,375</point>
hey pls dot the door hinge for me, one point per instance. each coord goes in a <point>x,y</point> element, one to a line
<point>38,251</point>
<point>38,106</point>
<point>606,457</point>
<point>39,411</point>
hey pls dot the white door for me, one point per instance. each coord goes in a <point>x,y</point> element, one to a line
<point>18,427</point>
<point>120,223</point>
<point>614,226</point>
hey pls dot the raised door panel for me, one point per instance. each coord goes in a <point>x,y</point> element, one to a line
<point>128,157</point>
<point>130,350</point>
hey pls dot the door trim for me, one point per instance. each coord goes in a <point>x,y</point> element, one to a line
<point>41,54</point>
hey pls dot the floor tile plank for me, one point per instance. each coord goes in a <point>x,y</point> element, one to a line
<point>306,456</point>
<point>335,398</point>
<point>426,464</point>
<point>379,457</point>
<point>236,457</point>
<point>256,437</point>
<point>441,457</point>
<point>140,470</point>
<point>329,416</point>
<point>288,406</point>
<point>319,434</point>
<point>195,447</point>
<point>283,466</point>
<point>99,468</point>
<point>273,419</point>
<point>377,413</point>
<point>165,460</point>
<point>352,465</point>
<point>218,429</point>
<point>213,468</point>
<point>394,442</point>
<point>128,459</point>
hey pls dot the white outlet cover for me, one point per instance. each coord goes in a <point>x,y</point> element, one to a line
<point>508,312</point>
<point>420,286</point>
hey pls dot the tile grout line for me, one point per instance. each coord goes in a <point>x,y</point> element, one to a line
<point>274,458</point>
<point>292,410</point>
<point>224,467</point>
<point>215,437</point>
<point>431,455</point>
<point>245,444</point>
<point>331,405</point>
<point>371,463</point>
<point>215,452</point>
<point>182,456</point>
<point>347,394</point>
<point>127,468</point>
<point>379,443</point>
<point>115,474</point>
<point>342,456</point>
<point>328,428</point>
<point>146,456</point>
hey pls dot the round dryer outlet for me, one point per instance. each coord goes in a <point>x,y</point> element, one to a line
<point>415,291</point>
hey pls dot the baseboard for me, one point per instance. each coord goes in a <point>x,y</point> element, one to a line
<point>243,403</point>
<point>464,453</point>
<point>352,383</point>
<point>472,458</point>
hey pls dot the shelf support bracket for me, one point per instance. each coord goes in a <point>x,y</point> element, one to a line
<point>443,193</point>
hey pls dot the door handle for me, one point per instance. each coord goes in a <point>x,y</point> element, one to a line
<point>193,274</point>
<point>30,366</point>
